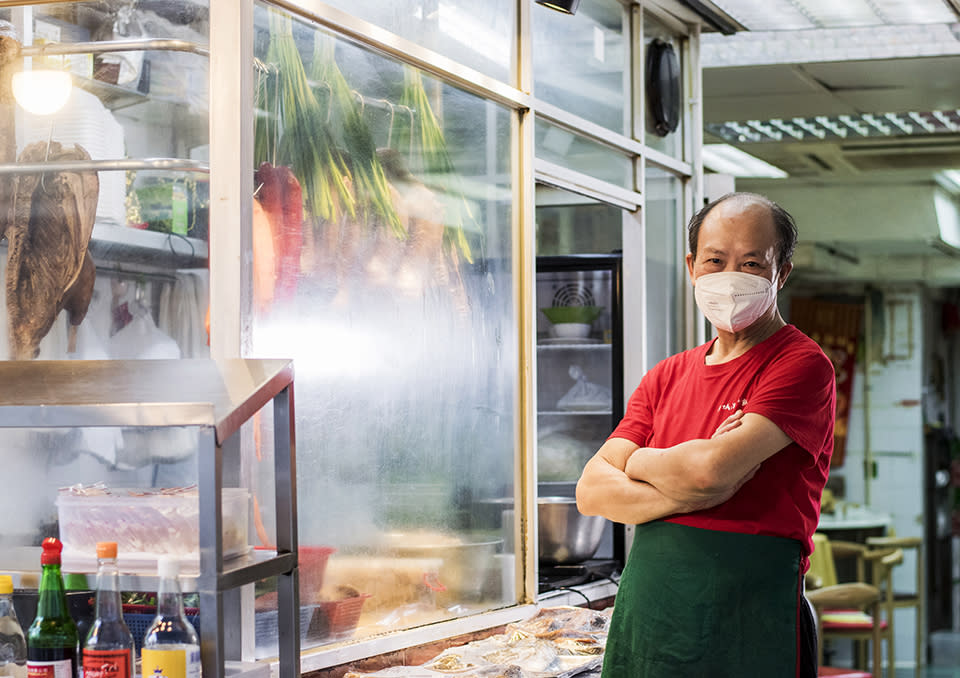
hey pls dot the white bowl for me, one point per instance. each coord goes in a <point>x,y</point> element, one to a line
<point>572,330</point>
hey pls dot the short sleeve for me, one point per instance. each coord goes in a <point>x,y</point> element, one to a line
<point>637,423</point>
<point>797,392</point>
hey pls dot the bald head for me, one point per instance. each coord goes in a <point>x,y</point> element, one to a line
<point>754,205</point>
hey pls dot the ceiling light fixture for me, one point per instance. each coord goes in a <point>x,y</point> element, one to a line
<point>565,6</point>
<point>726,159</point>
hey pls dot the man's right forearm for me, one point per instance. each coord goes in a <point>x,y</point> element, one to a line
<point>606,491</point>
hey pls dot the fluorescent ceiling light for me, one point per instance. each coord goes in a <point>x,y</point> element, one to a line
<point>950,179</point>
<point>725,159</point>
<point>786,15</point>
<point>822,127</point>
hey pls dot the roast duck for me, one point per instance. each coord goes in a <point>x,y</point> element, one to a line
<point>49,268</point>
<point>47,220</point>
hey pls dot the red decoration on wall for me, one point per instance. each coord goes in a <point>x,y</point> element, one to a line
<point>836,327</point>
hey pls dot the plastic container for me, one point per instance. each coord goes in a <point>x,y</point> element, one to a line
<point>267,630</point>
<point>146,524</point>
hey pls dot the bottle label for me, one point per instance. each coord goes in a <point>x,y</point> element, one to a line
<point>107,663</point>
<point>181,663</point>
<point>57,669</point>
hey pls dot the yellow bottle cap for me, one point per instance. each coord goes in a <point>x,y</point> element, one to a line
<point>106,549</point>
<point>6,584</point>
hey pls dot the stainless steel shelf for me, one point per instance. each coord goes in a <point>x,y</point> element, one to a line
<point>217,397</point>
<point>222,394</point>
<point>124,245</point>
<point>574,347</point>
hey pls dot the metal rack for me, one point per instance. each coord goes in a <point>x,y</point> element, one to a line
<point>217,396</point>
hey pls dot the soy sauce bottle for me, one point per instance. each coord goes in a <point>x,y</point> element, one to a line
<point>108,650</point>
<point>52,643</point>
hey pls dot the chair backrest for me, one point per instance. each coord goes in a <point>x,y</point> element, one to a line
<point>822,570</point>
<point>903,543</point>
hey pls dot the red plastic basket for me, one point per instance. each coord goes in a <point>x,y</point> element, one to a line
<point>313,564</point>
<point>338,618</point>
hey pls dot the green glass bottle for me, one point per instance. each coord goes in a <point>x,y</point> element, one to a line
<point>52,641</point>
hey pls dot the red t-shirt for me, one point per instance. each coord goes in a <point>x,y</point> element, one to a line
<point>788,380</point>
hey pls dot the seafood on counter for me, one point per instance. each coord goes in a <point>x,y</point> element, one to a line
<point>557,642</point>
<point>49,268</point>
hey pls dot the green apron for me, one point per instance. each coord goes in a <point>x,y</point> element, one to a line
<point>697,603</point>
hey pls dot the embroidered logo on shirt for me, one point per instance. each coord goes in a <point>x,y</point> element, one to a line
<point>732,407</point>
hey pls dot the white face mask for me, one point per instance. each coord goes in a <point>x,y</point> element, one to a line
<point>732,300</point>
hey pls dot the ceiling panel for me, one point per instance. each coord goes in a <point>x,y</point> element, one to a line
<point>760,107</point>
<point>753,80</point>
<point>928,73</point>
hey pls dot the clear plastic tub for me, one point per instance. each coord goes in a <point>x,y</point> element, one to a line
<point>145,523</point>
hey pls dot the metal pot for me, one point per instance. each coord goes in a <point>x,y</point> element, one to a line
<point>564,534</point>
<point>465,567</point>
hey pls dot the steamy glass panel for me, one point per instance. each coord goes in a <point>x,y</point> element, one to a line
<point>382,265</point>
<point>480,35</point>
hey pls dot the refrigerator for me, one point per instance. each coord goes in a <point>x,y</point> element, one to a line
<point>579,383</point>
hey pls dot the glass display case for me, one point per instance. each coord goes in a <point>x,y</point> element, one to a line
<point>136,453</point>
<point>579,372</point>
<point>105,119</point>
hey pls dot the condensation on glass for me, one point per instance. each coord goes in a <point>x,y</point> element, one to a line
<point>480,35</point>
<point>398,310</point>
<point>672,143</point>
<point>666,272</point>
<point>149,237</point>
<point>581,63</point>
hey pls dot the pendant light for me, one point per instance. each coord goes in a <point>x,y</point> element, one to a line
<point>565,6</point>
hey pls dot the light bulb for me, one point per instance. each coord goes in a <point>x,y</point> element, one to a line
<point>42,91</point>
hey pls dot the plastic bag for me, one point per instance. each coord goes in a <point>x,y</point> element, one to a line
<point>585,395</point>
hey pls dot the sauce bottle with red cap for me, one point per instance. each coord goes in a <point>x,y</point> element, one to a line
<point>52,644</point>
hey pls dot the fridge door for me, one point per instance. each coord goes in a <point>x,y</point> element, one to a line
<point>579,370</point>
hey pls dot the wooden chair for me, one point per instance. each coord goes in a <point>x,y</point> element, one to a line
<point>857,611</point>
<point>912,598</point>
<point>851,596</point>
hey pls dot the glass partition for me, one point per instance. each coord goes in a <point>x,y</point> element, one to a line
<point>568,223</point>
<point>666,272</point>
<point>565,148</point>
<point>581,63</point>
<point>131,260</point>
<point>481,35</point>
<point>382,264</point>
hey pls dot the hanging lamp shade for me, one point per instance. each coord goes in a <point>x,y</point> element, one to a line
<point>565,6</point>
